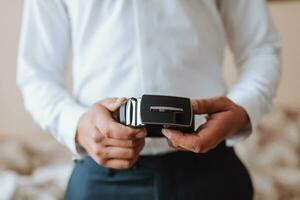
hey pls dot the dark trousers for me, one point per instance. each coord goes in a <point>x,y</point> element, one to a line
<point>218,174</point>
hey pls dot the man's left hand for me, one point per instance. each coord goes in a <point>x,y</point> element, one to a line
<point>224,118</point>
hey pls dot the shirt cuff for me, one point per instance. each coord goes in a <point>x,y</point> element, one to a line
<point>68,123</point>
<point>252,105</point>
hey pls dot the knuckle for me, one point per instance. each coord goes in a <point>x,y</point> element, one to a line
<point>104,162</point>
<point>104,154</point>
<point>218,98</point>
<point>222,98</point>
<point>100,161</point>
<point>105,129</point>
<point>130,153</point>
<point>225,100</point>
<point>143,131</point>
<point>128,134</point>
<point>99,151</point>
<point>131,143</point>
<point>102,139</point>
<point>197,148</point>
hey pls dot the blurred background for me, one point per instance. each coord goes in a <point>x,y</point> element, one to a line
<point>34,166</point>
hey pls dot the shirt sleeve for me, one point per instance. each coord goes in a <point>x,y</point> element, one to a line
<point>254,42</point>
<point>43,56</point>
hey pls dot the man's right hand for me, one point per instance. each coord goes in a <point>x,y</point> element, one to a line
<point>108,142</point>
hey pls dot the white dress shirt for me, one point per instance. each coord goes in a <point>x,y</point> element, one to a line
<point>134,47</point>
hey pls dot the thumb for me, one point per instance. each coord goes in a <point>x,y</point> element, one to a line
<point>210,105</point>
<point>112,104</point>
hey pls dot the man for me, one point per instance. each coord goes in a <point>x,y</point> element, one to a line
<point>130,48</point>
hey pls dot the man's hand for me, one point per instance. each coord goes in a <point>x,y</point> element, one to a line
<point>109,143</point>
<point>224,118</point>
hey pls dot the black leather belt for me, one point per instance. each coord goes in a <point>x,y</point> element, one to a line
<point>185,160</point>
<point>155,112</point>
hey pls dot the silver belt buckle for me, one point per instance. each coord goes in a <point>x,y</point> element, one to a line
<point>157,111</point>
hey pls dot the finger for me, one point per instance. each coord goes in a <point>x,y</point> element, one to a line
<point>189,142</point>
<point>111,129</point>
<point>117,153</point>
<point>119,131</point>
<point>105,107</point>
<point>119,163</point>
<point>107,153</point>
<point>115,130</point>
<point>122,143</point>
<point>124,163</point>
<point>175,147</point>
<point>112,104</point>
<point>212,133</point>
<point>209,106</point>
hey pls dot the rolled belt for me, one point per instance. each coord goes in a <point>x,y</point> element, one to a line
<point>155,112</point>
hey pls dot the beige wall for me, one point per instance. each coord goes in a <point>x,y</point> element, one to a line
<point>14,120</point>
<point>287,17</point>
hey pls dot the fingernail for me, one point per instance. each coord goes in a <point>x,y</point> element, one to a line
<point>165,132</point>
<point>117,100</point>
<point>122,99</point>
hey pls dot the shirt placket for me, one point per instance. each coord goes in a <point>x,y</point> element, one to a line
<point>147,29</point>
